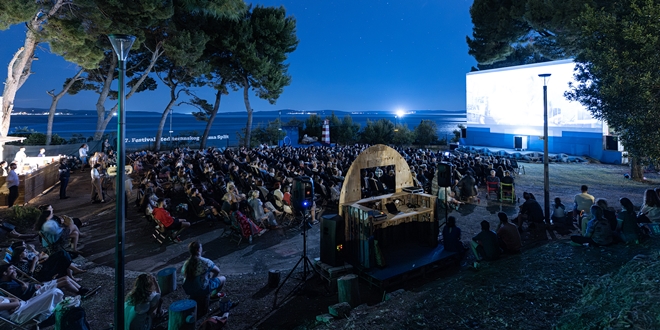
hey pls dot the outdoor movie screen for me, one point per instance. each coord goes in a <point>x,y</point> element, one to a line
<point>509,98</point>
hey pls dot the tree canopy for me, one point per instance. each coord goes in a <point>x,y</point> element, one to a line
<point>516,32</point>
<point>617,72</point>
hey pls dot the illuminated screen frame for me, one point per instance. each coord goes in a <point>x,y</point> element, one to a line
<point>510,100</point>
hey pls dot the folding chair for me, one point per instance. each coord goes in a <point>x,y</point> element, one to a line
<point>236,234</point>
<point>21,275</point>
<point>161,234</point>
<point>27,325</point>
<point>492,187</point>
<point>507,192</point>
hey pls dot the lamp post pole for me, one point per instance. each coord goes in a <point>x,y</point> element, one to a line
<point>121,43</point>
<point>546,176</point>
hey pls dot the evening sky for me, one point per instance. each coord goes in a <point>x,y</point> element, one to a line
<point>354,55</point>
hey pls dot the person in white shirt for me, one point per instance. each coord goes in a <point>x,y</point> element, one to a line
<point>39,307</point>
<point>583,204</point>
<point>12,184</point>
<point>20,158</point>
<point>82,152</point>
<point>97,192</point>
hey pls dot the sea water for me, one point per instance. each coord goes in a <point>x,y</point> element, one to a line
<point>142,126</point>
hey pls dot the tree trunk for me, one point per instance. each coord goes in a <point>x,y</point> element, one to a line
<point>163,118</point>
<point>636,169</point>
<point>20,66</point>
<point>246,99</point>
<point>209,123</point>
<point>103,121</point>
<point>100,102</point>
<point>53,104</point>
<point>19,69</point>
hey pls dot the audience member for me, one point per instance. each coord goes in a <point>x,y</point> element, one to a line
<point>485,245</point>
<point>143,303</point>
<point>200,275</point>
<point>451,237</point>
<point>650,211</point>
<point>530,211</point>
<point>176,225</point>
<point>598,230</point>
<point>608,214</point>
<point>261,212</point>
<point>508,235</point>
<point>583,202</point>
<point>628,229</point>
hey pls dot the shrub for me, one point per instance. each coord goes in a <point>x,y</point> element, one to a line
<point>24,217</point>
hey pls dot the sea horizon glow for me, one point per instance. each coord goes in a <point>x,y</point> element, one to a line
<point>352,56</point>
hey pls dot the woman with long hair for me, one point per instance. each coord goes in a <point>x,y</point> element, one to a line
<point>599,231</point>
<point>57,229</point>
<point>200,275</point>
<point>651,206</point>
<point>143,303</point>
<point>628,230</point>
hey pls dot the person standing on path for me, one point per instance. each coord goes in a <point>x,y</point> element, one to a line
<point>82,152</point>
<point>12,184</point>
<point>97,193</point>
<point>64,178</point>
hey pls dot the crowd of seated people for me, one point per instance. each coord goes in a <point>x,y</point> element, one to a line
<point>36,277</point>
<point>259,182</point>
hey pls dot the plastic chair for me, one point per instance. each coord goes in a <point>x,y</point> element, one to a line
<point>507,192</point>
<point>492,187</point>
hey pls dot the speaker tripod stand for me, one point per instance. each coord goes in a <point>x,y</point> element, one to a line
<point>308,267</point>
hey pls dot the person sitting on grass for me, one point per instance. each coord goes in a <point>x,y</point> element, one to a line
<point>530,211</point>
<point>650,211</point>
<point>508,235</point>
<point>598,231</point>
<point>608,214</point>
<point>200,275</point>
<point>176,225</point>
<point>485,245</point>
<point>143,303</point>
<point>451,237</point>
<point>582,205</point>
<point>628,229</point>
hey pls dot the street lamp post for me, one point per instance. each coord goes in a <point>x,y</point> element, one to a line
<point>546,176</point>
<point>121,43</point>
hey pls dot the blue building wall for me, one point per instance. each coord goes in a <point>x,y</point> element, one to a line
<point>570,142</point>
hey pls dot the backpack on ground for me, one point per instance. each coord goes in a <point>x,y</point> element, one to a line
<point>73,318</point>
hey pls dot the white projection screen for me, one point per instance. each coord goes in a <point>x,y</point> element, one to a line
<point>510,100</point>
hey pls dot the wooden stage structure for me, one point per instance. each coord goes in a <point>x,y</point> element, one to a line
<point>386,248</point>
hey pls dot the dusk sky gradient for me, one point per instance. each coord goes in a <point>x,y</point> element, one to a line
<point>354,55</point>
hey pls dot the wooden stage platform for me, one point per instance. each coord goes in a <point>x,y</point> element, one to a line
<point>407,262</point>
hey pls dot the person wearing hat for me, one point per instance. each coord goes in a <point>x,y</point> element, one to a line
<point>12,184</point>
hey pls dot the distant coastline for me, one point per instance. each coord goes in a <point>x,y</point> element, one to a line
<point>289,112</point>
<point>143,125</point>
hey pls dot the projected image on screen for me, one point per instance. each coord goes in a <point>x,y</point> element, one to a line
<point>513,97</point>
